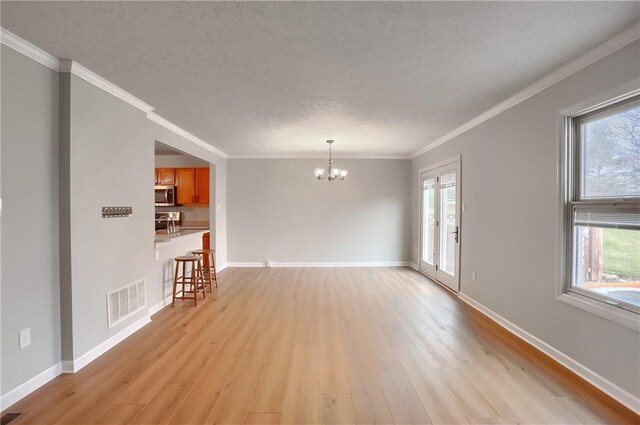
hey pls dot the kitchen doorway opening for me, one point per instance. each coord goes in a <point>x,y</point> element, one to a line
<point>182,187</point>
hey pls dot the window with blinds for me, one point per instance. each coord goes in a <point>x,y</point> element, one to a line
<point>603,205</point>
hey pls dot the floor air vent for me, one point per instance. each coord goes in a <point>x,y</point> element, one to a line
<point>8,418</point>
<point>126,301</point>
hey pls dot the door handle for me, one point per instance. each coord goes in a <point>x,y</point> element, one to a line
<point>456,233</point>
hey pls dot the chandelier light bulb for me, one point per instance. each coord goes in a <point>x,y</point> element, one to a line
<point>332,173</point>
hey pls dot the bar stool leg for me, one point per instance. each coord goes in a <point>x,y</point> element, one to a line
<point>213,264</point>
<point>207,270</point>
<point>194,284</point>
<point>176,266</point>
<point>201,277</point>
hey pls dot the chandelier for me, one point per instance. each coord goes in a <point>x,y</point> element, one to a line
<point>333,173</point>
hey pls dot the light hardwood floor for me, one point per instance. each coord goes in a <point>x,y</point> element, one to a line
<point>311,346</point>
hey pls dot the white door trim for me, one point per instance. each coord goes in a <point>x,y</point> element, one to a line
<point>454,160</point>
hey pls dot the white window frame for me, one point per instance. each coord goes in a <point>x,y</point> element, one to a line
<point>568,200</point>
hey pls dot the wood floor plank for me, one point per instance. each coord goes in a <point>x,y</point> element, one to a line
<point>98,401</point>
<point>440,405</point>
<point>118,414</point>
<point>199,402</point>
<point>404,404</point>
<point>163,406</point>
<point>333,373</point>
<point>302,397</point>
<point>262,419</point>
<point>470,399</point>
<point>269,396</point>
<point>234,400</point>
<point>337,409</point>
<point>319,345</point>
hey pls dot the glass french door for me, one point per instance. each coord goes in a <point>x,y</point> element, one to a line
<point>440,224</point>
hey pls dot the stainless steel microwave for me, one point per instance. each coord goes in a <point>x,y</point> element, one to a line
<point>165,196</point>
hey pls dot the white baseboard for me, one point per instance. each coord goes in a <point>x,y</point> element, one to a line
<point>247,264</point>
<point>604,385</point>
<point>221,267</point>
<point>70,366</point>
<point>23,390</point>
<point>321,264</point>
<point>73,366</point>
<point>414,266</point>
<point>162,304</point>
<point>77,364</point>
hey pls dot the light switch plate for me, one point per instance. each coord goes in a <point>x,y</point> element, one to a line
<point>25,338</point>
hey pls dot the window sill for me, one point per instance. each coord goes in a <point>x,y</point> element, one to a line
<point>626,318</point>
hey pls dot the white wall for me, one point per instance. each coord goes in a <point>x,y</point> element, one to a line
<point>278,211</point>
<point>29,175</point>
<point>509,235</point>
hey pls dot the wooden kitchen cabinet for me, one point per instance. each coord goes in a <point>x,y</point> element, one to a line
<point>186,186</point>
<point>192,186</point>
<point>166,177</point>
<point>202,186</point>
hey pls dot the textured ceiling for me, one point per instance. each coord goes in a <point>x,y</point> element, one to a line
<point>381,78</point>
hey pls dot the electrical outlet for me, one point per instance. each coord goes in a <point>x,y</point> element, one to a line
<point>464,207</point>
<point>474,277</point>
<point>269,263</point>
<point>24,337</point>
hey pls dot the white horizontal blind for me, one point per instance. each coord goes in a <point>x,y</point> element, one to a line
<point>614,218</point>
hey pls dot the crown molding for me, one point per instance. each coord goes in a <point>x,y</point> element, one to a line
<point>20,45</point>
<point>184,133</point>
<point>89,76</point>
<point>24,47</point>
<point>314,156</point>
<point>604,49</point>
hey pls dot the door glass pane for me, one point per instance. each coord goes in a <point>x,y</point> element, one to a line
<point>610,147</point>
<point>428,219</point>
<point>448,223</point>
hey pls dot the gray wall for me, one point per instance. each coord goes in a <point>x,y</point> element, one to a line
<point>112,161</point>
<point>509,235</point>
<point>178,161</point>
<point>70,148</point>
<point>29,176</point>
<point>278,211</point>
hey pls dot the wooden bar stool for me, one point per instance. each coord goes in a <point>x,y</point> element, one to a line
<point>209,266</point>
<point>188,277</point>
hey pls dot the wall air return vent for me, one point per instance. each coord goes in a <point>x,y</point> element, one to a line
<point>126,301</point>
